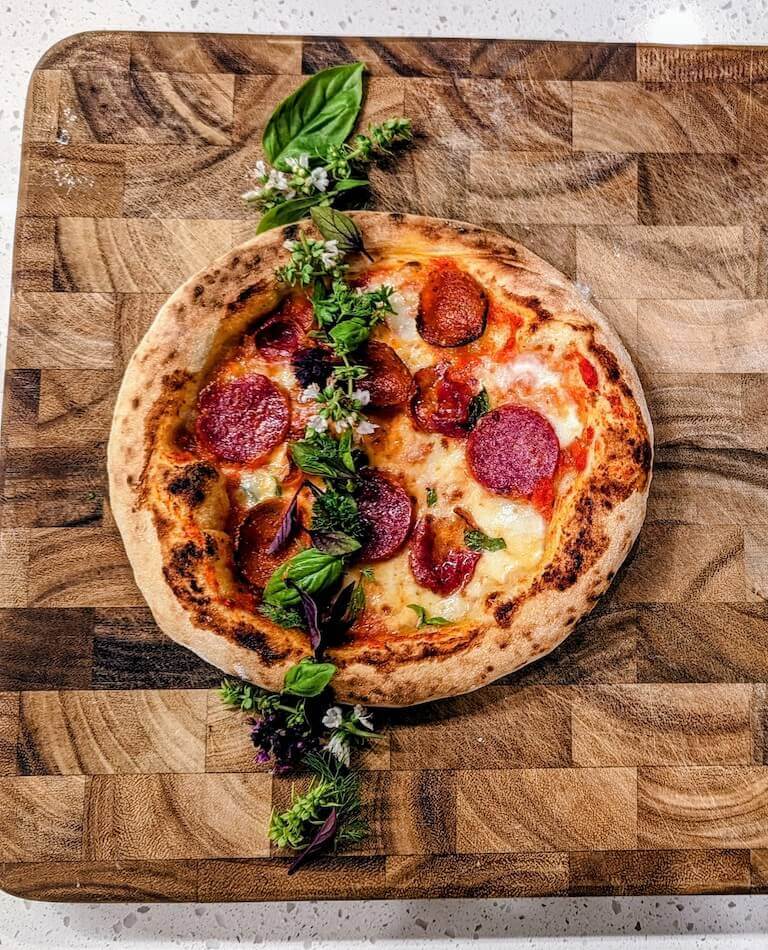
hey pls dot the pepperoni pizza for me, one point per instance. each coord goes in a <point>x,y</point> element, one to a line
<point>503,479</point>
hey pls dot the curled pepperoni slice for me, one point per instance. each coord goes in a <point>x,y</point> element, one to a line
<point>389,380</point>
<point>513,450</point>
<point>442,573</point>
<point>452,307</point>
<point>387,509</point>
<point>242,419</point>
<point>282,333</point>
<point>253,537</point>
<point>442,400</point>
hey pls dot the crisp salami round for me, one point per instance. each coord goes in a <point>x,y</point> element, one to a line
<point>282,333</point>
<point>388,380</point>
<point>442,400</point>
<point>512,450</point>
<point>253,537</point>
<point>452,307</point>
<point>242,419</point>
<point>441,574</point>
<point>388,511</point>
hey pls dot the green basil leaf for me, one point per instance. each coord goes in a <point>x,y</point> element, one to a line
<point>337,226</point>
<point>424,620</point>
<point>349,334</point>
<point>478,406</point>
<point>322,455</point>
<point>477,540</point>
<point>346,455</point>
<point>334,542</point>
<point>288,212</point>
<point>319,113</point>
<point>308,678</point>
<point>347,184</point>
<point>311,570</point>
<point>431,497</point>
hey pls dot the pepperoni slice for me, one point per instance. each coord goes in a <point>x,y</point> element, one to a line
<point>254,535</point>
<point>512,450</point>
<point>389,380</point>
<point>387,509</point>
<point>442,400</point>
<point>282,333</point>
<point>452,307</point>
<point>242,419</point>
<point>442,574</point>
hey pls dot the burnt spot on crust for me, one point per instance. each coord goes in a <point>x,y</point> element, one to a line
<point>135,402</point>
<point>585,543</point>
<point>245,295</point>
<point>542,315</point>
<point>504,613</point>
<point>255,640</point>
<point>181,574</point>
<point>642,453</point>
<point>191,484</point>
<point>198,291</point>
<point>170,386</point>
<point>290,231</point>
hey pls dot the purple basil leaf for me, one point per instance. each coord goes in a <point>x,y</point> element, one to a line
<point>334,542</point>
<point>323,836</point>
<point>338,609</point>
<point>287,525</point>
<point>311,614</point>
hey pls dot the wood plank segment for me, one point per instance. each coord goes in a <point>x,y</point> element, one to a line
<point>662,725</point>
<point>328,877</point>
<point>546,810</point>
<point>477,875</point>
<point>47,818</point>
<point>84,181</point>
<point>701,63</point>
<point>174,817</point>
<point>397,55</point>
<point>90,733</point>
<point>137,881</point>
<point>65,663</point>
<point>702,807</point>
<point>542,60</point>
<point>659,872</point>
<point>206,53</point>
<point>9,731</point>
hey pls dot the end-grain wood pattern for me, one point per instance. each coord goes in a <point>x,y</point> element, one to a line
<point>632,760</point>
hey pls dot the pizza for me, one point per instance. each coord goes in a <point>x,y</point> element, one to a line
<point>500,479</point>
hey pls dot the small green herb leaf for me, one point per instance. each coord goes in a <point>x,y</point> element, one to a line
<point>431,497</point>
<point>288,212</point>
<point>319,113</point>
<point>283,616</point>
<point>337,226</point>
<point>477,540</point>
<point>334,542</point>
<point>311,570</point>
<point>479,405</point>
<point>350,334</point>
<point>308,678</point>
<point>320,454</point>
<point>423,620</point>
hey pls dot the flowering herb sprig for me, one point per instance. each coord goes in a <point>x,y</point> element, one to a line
<point>309,161</point>
<point>349,730</point>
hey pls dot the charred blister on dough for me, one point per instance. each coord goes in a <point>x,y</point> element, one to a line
<point>192,483</point>
<point>253,639</point>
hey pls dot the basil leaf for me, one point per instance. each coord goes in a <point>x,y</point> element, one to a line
<point>322,455</point>
<point>334,542</point>
<point>288,523</point>
<point>477,540</point>
<point>308,678</point>
<point>349,334</point>
<point>345,451</point>
<point>319,113</point>
<point>431,497</point>
<point>347,184</point>
<point>323,837</point>
<point>337,226</point>
<point>478,406</point>
<point>424,620</point>
<point>288,212</point>
<point>311,614</point>
<point>311,570</point>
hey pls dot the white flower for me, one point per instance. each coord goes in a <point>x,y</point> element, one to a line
<point>318,423</point>
<point>260,170</point>
<point>278,181</point>
<point>298,163</point>
<point>252,195</point>
<point>363,717</point>
<point>339,748</point>
<point>362,396</point>
<point>364,427</point>
<point>345,423</point>
<point>310,394</point>
<point>319,178</point>
<point>332,718</point>
<point>330,253</point>
<point>290,245</point>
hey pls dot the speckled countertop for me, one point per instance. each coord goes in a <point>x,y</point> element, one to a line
<point>27,28</point>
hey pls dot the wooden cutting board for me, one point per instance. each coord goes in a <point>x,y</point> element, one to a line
<point>632,760</point>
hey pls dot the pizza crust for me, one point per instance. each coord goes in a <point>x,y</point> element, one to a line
<point>190,330</point>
